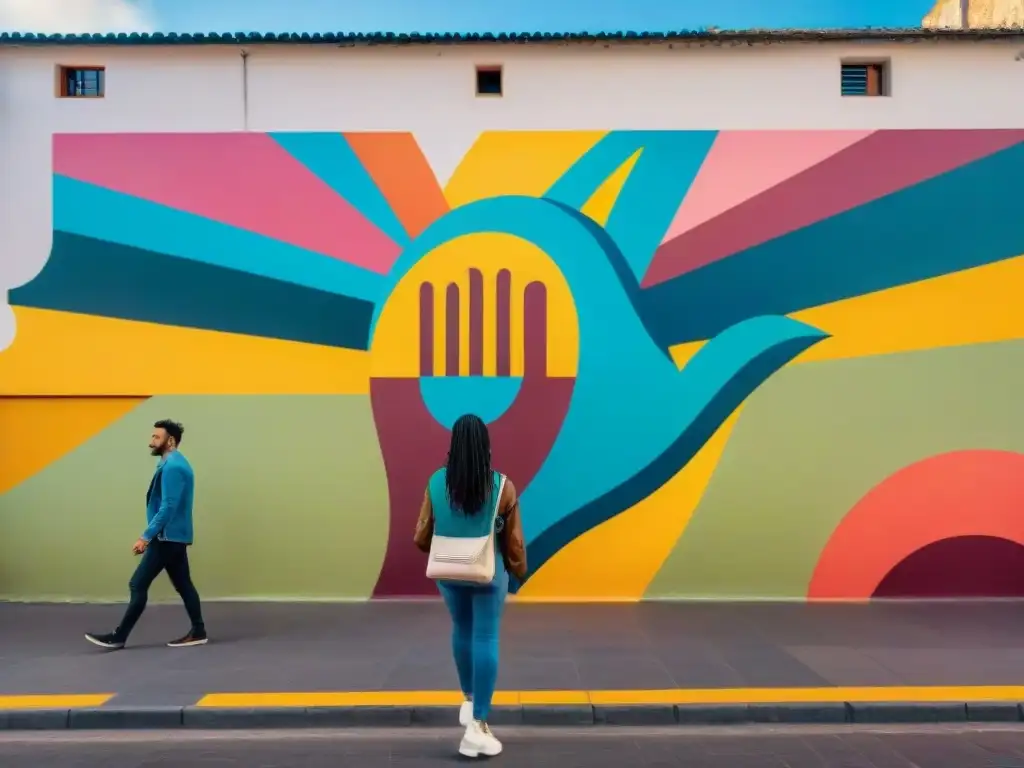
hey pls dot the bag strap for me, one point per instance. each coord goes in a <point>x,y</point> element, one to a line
<point>497,498</point>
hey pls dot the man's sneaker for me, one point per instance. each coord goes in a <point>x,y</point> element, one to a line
<point>192,638</point>
<point>479,741</point>
<point>466,713</point>
<point>109,641</point>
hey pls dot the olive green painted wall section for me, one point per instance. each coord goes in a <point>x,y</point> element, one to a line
<point>818,436</point>
<point>291,501</point>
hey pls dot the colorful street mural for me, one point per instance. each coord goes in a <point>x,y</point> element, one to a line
<point>774,364</point>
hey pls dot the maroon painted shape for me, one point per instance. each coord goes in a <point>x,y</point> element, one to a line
<point>960,567</point>
<point>476,323</point>
<point>451,331</point>
<point>876,166</point>
<point>426,329</point>
<point>414,446</point>
<point>535,330</point>
<point>503,314</point>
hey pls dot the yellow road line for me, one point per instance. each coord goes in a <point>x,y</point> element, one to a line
<point>58,701</point>
<point>626,697</point>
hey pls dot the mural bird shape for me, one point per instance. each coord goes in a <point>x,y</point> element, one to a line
<point>633,418</point>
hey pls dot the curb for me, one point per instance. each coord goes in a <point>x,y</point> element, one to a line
<point>655,715</point>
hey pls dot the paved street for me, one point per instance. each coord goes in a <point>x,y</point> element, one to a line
<point>382,646</point>
<point>749,747</point>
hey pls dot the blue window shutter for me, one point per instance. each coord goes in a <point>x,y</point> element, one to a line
<point>854,80</point>
<point>84,82</point>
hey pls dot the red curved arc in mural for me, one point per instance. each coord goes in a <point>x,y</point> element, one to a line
<point>963,493</point>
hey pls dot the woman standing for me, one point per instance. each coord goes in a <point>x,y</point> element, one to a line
<point>466,501</point>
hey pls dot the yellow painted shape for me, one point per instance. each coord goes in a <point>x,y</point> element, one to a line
<point>600,204</point>
<point>46,428</point>
<point>349,699</point>
<point>916,694</point>
<point>815,695</point>
<point>58,701</point>
<point>969,307</point>
<point>683,353</point>
<point>553,698</point>
<point>63,353</point>
<point>617,560</point>
<point>394,352</point>
<point>974,306</point>
<point>516,163</point>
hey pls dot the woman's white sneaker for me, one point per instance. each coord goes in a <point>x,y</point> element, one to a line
<point>466,713</point>
<point>479,741</point>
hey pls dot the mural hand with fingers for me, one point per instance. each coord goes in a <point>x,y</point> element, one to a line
<point>467,372</point>
<point>618,419</point>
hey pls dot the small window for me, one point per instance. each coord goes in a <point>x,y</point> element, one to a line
<point>488,81</point>
<point>864,80</point>
<point>82,82</point>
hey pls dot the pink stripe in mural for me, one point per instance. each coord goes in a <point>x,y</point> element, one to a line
<point>742,164</point>
<point>883,163</point>
<point>246,180</point>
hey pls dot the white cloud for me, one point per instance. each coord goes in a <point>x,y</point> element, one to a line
<point>68,16</point>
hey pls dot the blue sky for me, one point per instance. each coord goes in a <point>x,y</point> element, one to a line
<point>452,15</point>
<point>531,15</point>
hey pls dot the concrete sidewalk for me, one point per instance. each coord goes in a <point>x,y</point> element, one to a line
<point>389,664</point>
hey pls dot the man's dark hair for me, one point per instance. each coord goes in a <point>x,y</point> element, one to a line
<point>172,428</point>
<point>468,478</point>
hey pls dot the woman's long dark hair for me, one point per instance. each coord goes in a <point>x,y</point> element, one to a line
<point>468,478</point>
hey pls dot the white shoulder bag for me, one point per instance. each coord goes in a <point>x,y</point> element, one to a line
<point>468,559</point>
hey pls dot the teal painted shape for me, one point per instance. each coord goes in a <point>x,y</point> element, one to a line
<point>449,397</point>
<point>80,208</point>
<point>651,196</point>
<point>630,404</point>
<point>892,241</point>
<point>331,158</point>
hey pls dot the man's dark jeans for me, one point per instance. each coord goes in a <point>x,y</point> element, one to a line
<point>160,556</point>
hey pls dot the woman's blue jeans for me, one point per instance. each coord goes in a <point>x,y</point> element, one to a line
<point>476,622</point>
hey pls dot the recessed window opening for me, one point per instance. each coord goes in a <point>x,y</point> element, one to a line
<point>864,79</point>
<point>82,82</point>
<point>488,81</point>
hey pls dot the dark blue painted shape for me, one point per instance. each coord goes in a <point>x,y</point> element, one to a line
<point>959,220</point>
<point>95,277</point>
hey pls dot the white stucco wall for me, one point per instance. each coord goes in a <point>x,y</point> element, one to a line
<point>430,91</point>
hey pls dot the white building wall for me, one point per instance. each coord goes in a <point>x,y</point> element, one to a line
<point>429,90</point>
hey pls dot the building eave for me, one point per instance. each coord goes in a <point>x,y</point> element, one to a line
<point>347,39</point>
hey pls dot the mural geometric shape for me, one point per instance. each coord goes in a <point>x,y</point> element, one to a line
<point>959,494</point>
<point>743,164</point>
<point>960,567</point>
<point>898,159</point>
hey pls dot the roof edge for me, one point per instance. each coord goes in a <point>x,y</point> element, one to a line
<point>454,38</point>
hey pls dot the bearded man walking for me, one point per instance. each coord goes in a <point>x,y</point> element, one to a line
<point>164,544</point>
